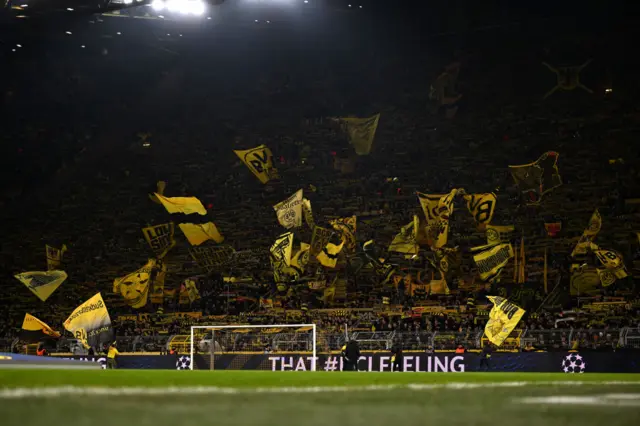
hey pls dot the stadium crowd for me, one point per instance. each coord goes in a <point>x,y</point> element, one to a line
<point>86,186</point>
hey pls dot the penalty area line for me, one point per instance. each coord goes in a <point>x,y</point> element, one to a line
<point>64,391</point>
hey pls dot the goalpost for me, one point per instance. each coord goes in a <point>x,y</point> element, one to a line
<point>253,346</point>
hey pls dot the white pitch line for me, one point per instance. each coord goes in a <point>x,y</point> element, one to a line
<point>63,391</point>
<point>614,400</point>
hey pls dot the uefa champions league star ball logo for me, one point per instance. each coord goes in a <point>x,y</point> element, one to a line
<point>574,363</point>
<point>183,363</point>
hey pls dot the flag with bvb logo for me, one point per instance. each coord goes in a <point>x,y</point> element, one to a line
<point>260,161</point>
<point>481,206</point>
<point>289,211</point>
<point>134,287</point>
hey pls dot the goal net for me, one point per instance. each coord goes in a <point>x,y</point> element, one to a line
<point>254,347</point>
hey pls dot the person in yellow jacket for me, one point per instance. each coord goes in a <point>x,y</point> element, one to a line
<point>111,357</point>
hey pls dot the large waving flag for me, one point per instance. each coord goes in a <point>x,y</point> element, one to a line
<point>34,330</point>
<point>186,205</point>
<point>42,284</point>
<point>199,233</point>
<point>588,235</point>
<point>492,259</point>
<point>134,288</point>
<point>90,323</point>
<point>289,211</point>
<point>361,132</point>
<point>481,206</point>
<point>503,318</point>
<point>260,161</point>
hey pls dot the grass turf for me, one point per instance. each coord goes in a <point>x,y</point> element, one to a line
<point>402,407</point>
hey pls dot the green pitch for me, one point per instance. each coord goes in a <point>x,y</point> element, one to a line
<point>256,398</point>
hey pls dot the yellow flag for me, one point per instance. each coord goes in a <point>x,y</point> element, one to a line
<point>301,258</point>
<point>437,210</point>
<point>347,228</point>
<point>537,178</point>
<point>614,267</point>
<point>405,240</point>
<point>90,323</point>
<point>34,330</point>
<point>319,240</point>
<point>498,234</point>
<point>199,233</point>
<point>281,255</point>
<point>584,281</point>
<point>438,287</point>
<point>503,318</point>
<point>134,288</point>
<point>289,211</point>
<point>42,284</point>
<point>361,132</point>
<point>54,257</point>
<point>260,161</point>
<point>329,255</point>
<point>160,238</point>
<point>191,290</point>
<point>481,207</point>
<point>492,260</point>
<point>186,205</point>
<point>588,235</point>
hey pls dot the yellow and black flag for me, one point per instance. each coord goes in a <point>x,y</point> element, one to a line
<point>497,234</point>
<point>346,226</point>
<point>405,241</point>
<point>90,323</point>
<point>188,292</point>
<point>492,259</point>
<point>160,238</point>
<point>481,206</point>
<point>588,235</point>
<point>42,284</point>
<point>319,240</point>
<point>54,257</point>
<point>199,233</point>
<point>361,132</point>
<point>614,267</point>
<point>34,330</point>
<point>537,178</point>
<point>289,211</point>
<point>186,205</point>
<point>503,318</point>
<point>585,281</point>
<point>437,210</point>
<point>328,257</point>
<point>280,253</point>
<point>134,288</point>
<point>260,161</point>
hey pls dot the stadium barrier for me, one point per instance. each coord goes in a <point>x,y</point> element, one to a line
<point>534,362</point>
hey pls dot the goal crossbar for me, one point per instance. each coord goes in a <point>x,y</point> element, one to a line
<point>213,329</point>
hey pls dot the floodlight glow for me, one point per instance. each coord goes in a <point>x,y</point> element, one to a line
<point>184,7</point>
<point>128,1</point>
<point>157,5</point>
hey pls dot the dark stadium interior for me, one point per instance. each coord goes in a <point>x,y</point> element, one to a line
<point>98,108</point>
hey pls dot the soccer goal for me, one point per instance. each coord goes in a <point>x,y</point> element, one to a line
<point>253,347</point>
